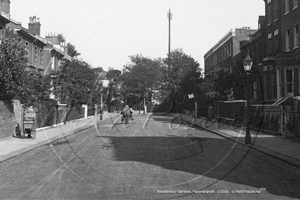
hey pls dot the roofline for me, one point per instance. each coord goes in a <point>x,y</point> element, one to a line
<point>31,35</point>
<point>4,18</point>
<point>224,39</point>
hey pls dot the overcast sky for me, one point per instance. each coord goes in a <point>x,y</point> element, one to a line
<point>106,32</point>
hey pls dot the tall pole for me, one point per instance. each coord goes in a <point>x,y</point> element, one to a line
<point>248,135</point>
<point>169,49</point>
<point>101,106</point>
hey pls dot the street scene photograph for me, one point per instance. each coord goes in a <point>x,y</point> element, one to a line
<point>149,100</point>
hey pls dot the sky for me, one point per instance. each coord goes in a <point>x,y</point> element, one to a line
<point>107,32</point>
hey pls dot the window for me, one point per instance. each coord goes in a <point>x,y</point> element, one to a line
<point>296,36</point>
<point>214,59</point>
<point>276,41</point>
<point>287,6</point>
<point>27,49</point>
<point>287,39</point>
<point>275,10</point>
<point>289,80</point>
<point>1,32</point>
<point>42,57</point>
<point>269,35</point>
<point>35,55</point>
<point>295,4</point>
<point>269,13</point>
<point>228,54</point>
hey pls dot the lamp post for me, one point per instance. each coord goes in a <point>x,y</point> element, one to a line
<point>169,15</point>
<point>248,62</point>
<point>104,85</point>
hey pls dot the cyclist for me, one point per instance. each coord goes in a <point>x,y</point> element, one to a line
<point>131,114</point>
<point>126,113</point>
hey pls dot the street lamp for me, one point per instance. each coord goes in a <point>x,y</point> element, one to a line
<point>248,62</point>
<point>104,85</point>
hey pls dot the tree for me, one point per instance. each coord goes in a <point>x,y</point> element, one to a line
<point>192,83</point>
<point>13,61</point>
<point>61,38</point>
<point>143,76</point>
<point>227,85</point>
<point>112,75</point>
<point>38,87</point>
<point>181,78</point>
<point>75,83</point>
<point>72,50</point>
<point>180,65</point>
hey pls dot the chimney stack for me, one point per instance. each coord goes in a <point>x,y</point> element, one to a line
<point>5,6</point>
<point>34,25</point>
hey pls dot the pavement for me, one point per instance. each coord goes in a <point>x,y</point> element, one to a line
<point>11,147</point>
<point>286,150</point>
<point>279,147</point>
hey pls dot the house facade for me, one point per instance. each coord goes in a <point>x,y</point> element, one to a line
<point>225,54</point>
<point>281,62</point>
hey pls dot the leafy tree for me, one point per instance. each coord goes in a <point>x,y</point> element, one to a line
<point>75,83</point>
<point>192,83</point>
<point>72,50</point>
<point>142,77</point>
<point>112,97</point>
<point>181,77</point>
<point>180,65</point>
<point>227,85</point>
<point>61,38</point>
<point>38,87</point>
<point>13,61</point>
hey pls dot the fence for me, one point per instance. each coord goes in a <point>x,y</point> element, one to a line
<point>48,115</point>
<point>275,119</point>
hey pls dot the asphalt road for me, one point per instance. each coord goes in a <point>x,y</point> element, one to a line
<point>157,157</point>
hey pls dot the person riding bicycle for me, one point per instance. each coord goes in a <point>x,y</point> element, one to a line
<point>126,113</point>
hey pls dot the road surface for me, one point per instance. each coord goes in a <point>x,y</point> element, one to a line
<point>157,157</point>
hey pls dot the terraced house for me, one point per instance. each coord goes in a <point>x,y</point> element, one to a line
<point>225,54</point>
<point>281,63</point>
<point>43,55</point>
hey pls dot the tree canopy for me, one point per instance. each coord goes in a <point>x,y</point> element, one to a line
<point>13,59</point>
<point>72,50</point>
<point>75,83</point>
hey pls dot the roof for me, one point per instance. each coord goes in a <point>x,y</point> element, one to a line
<point>4,17</point>
<point>23,31</point>
<point>225,38</point>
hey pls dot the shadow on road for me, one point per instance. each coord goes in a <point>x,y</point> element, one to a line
<point>209,157</point>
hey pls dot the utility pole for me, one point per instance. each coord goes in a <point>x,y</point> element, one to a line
<point>169,14</point>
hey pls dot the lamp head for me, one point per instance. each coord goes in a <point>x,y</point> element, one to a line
<point>248,62</point>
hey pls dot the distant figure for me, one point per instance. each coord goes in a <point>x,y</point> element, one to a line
<point>131,114</point>
<point>126,113</point>
<point>29,109</point>
<point>210,113</point>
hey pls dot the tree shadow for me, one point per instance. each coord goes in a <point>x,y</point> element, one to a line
<point>214,158</point>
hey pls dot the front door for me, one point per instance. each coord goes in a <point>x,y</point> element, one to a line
<point>289,81</point>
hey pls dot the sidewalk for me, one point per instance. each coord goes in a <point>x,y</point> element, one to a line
<point>11,146</point>
<point>286,150</point>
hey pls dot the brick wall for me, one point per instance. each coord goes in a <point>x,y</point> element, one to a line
<point>8,118</point>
